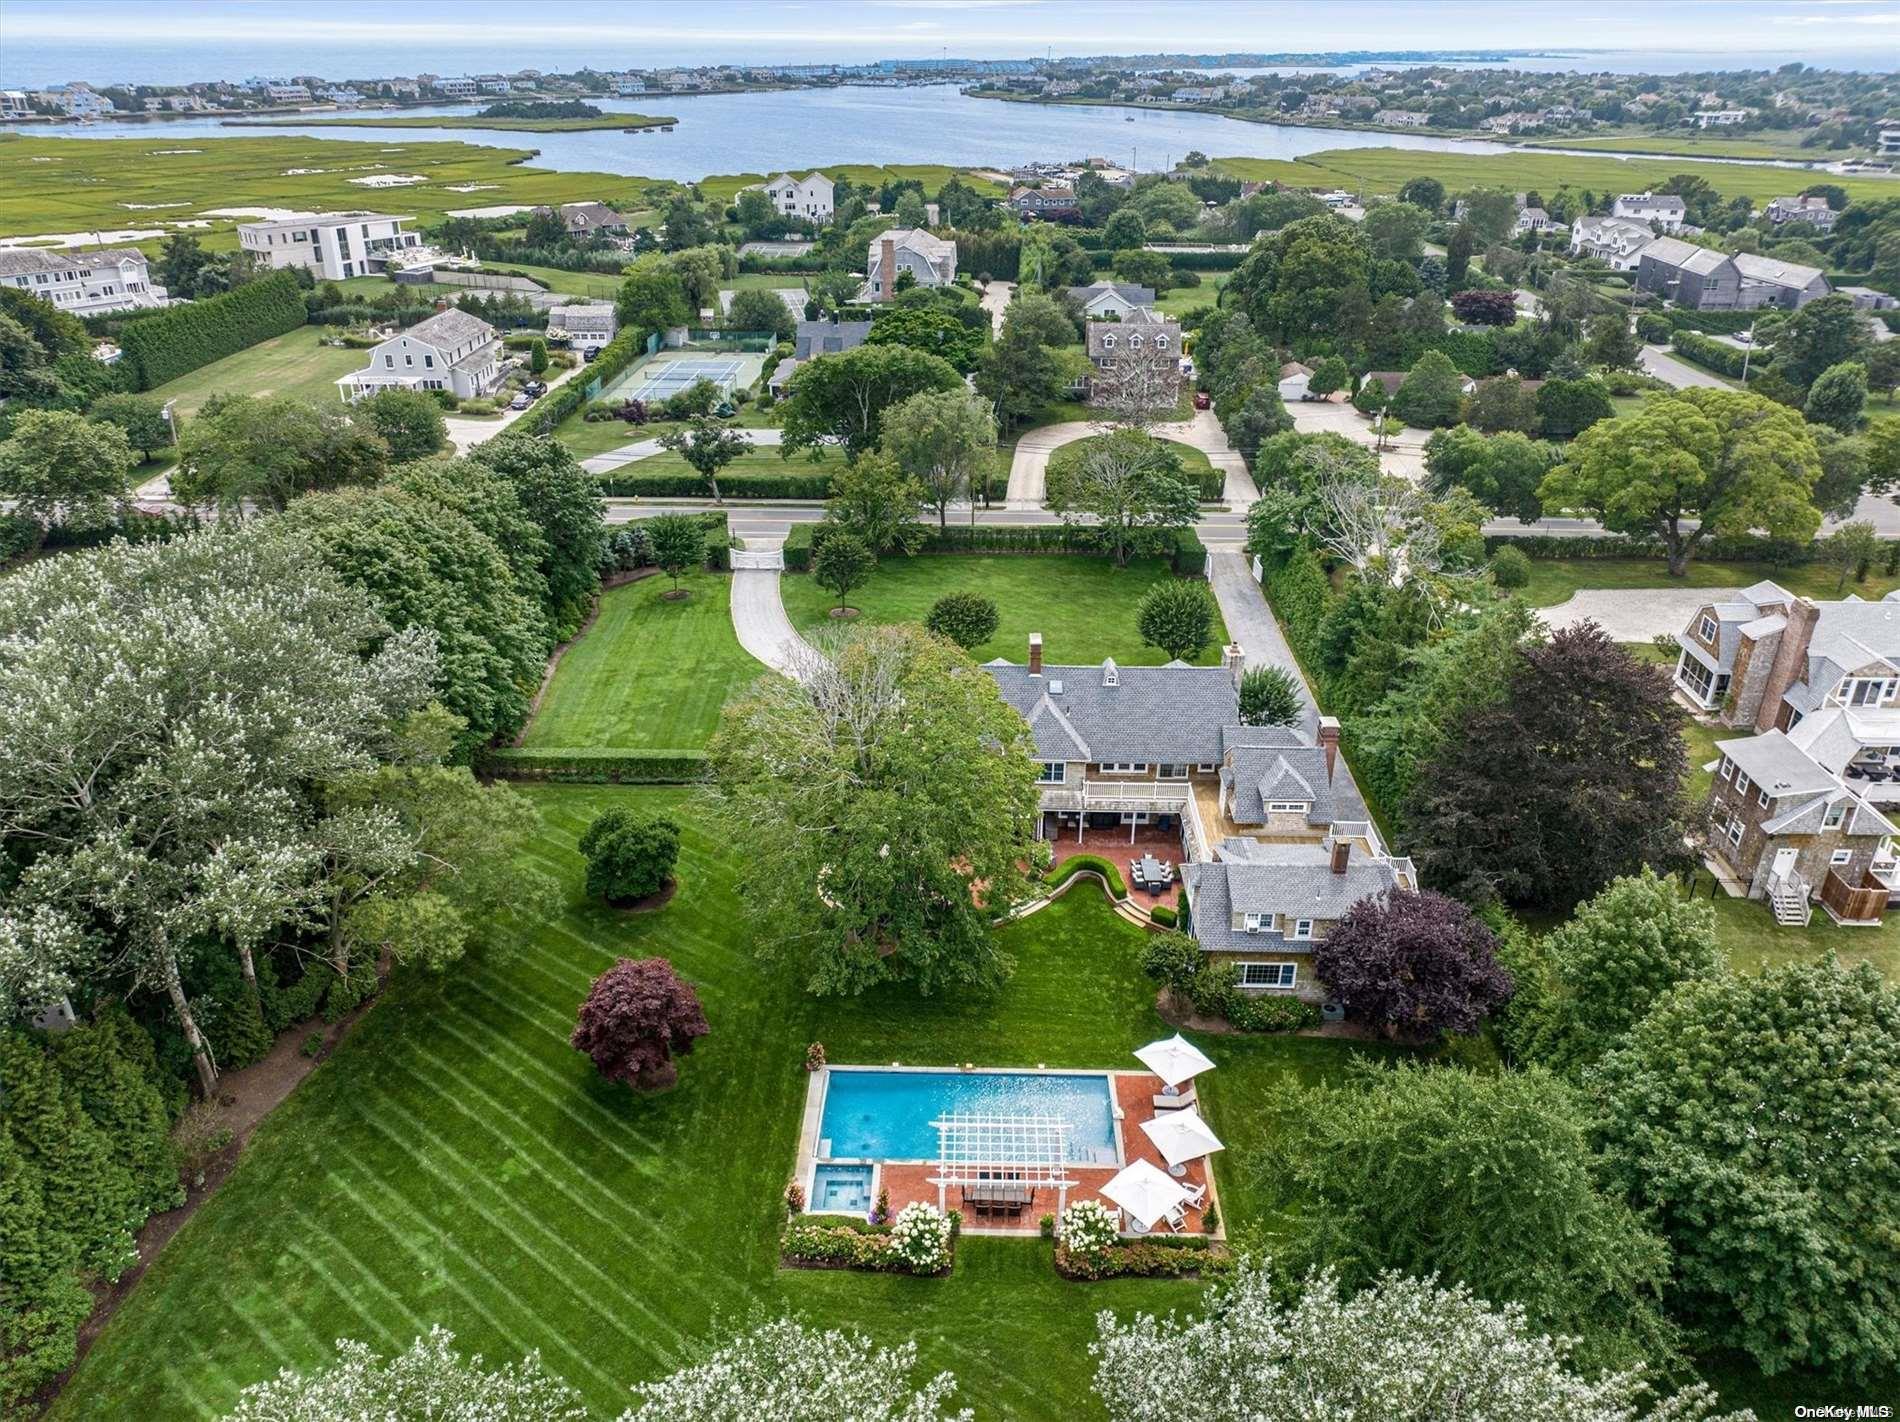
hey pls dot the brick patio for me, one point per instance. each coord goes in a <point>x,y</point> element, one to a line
<point>1134,1093</point>
<point>1113,845</point>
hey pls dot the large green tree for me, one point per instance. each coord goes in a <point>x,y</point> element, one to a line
<point>267,449</point>
<point>889,796</point>
<point>841,399</point>
<point>931,329</point>
<point>1728,461</point>
<point>944,441</point>
<point>1481,1179</point>
<point>1291,285</point>
<point>1501,471</point>
<point>1123,490</point>
<point>1838,396</point>
<point>409,421</point>
<point>1395,231</point>
<point>1022,371</point>
<point>563,501</point>
<point>877,501</point>
<point>1432,394</point>
<point>60,467</point>
<point>652,297</point>
<point>708,445</point>
<point>1820,334</point>
<point>1756,1119</point>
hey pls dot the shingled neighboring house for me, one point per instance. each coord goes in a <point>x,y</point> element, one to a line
<point>584,219</point>
<point>1106,299</point>
<point>450,351</point>
<point>930,259</point>
<point>585,327</point>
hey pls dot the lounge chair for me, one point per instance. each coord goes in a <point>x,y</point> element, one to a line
<point>1177,1219</point>
<point>1195,1197</point>
<point>1175,1103</point>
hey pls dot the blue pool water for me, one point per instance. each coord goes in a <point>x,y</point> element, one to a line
<point>886,1115</point>
<point>845,1189</point>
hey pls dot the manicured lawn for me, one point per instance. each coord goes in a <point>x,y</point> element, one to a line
<point>649,674</point>
<point>1084,607</point>
<point>762,281</point>
<point>591,437</point>
<point>763,461</point>
<point>1553,580</point>
<point>602,285</point>
<point>1183,299</point>
<point>290,364</point>
<point>457,1162</point>
<point>1748,930</point>
<point>1194,462</point>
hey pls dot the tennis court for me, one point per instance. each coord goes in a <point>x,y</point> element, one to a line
<point>659,379</point>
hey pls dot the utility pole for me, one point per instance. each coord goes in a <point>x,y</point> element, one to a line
<point>1748,349</point>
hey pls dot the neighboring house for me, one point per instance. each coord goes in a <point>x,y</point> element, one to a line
<point>288,93</point>
<point>334,246</point>
<point>85,281</point>
<point>1865,298</point>
<point>1890,143</point>
<point>1719,118</point>
<point>1768,281</point>
<point>1393,379</point>
<point>809,197</point>
<point>1294,379</point>
<point>1041,202</point>
<point>455,88</point>
<point>583,219</point>
<point>1143,334</point>
<point>582,327</point>
<point>1813,210</point>
<point>816,338</point>
<point>1107,299</point>
<point>1792,830</point>
<point>1691,276</point>
<point>77,100</point>
<point>1402,118</point>
<point>931,260</point>
<point>1663,211</point>
<point>14,104</point>
<point>450,351</point>
<point>1533,219</point>
<point>1615,240</point>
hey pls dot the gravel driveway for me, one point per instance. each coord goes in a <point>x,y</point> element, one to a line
<point>1634,614</point>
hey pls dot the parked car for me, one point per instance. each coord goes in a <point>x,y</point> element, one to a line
<point>589,354</point>
<point>521,401</point>
<point>1202,400</point>
<point>536,388</point>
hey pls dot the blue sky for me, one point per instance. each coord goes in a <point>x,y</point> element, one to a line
<point>759,29</point>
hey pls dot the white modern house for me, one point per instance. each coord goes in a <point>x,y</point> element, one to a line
<point>931,260</point>
<point>333,245</point>
<point>450,351</point>
<point>85,281</point>
<point>1664,212</point>
<point>808,197</point>
<point>582,328</point>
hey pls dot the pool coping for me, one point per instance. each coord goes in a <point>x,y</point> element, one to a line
<point>806,1163</point>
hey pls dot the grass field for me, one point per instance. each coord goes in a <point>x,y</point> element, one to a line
<point>290,364</point>
<point>1183,299</point>
<point>1386,170</point>
<point>588,438</point>
<point>76,184</point>
<point>1691,143</point>
<point>649,674</point>
<point>1084,607</point>
<point>1194,462</point>
<point>763,461</point>
<point>604,285</point>
<point>458,1162</point>
<point>627,123</point>
<point>1553,580</point>
<point>722,187</point>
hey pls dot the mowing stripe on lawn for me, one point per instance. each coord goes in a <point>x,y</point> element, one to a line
<point>551,1235</point>
<point>414,1325</point>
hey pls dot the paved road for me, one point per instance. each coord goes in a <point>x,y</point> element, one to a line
<point>996,298</point>
<point>1680,374</point>
<point>759,621</point>
<point>646,448</point>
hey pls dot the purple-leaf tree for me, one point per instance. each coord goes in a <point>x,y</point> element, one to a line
<point>1414,963</point>
<point>637,1016</point>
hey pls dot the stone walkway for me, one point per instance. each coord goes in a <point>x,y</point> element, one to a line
<point>646,448</point>
<point>1633,614</point>
<point>996,298</point>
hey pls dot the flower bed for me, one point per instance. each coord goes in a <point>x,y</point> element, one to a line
<point>1162,1257</point>
<point>921,1241</point>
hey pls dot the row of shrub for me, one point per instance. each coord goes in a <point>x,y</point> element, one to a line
<point>629,548</point>
<point>1178,963</point>
<point>614,358</point>
<point>1187,1256</point>
<point>1706,351</point>
<point>182,338</point>
<point>1720,323</point>
<point>808,482</point>
<point>1749,547</point>
<point>1092,863</point>
<point>356,313</point>
<point>845,1242</point>
<point>583,765</point>
<point>21,534</point>
<point>1188,557</point>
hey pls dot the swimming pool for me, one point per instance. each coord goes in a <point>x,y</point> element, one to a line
<point>841,1188</point>
<point>886,1115</point>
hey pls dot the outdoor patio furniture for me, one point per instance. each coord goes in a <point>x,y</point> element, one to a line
<point>998,1197</point>
<point>1196,1194</point>
<point>1175,1103</point>
<point>1136,875</point>
<point>1174,1060</point>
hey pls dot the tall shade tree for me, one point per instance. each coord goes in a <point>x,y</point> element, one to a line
<point>431,1379</point>
<point>409,421</point>
<point>944,441</point>
<point>265,450</point>
<point>791,1372</point>
<point>1728,461</point>
<point>756,309</point>
<point>1501,471</point>
<point>1821,334</point>
<point>876,501</point>
<point>1271,696</point>
<point>1431,394</point>
<point>563,501</point>
<point>841,399</point>
<point>1426,1169</point>
<point>1178,616</point>
<point>1399,1350</point>
<point>889,796</point>
<point>1294,282</point>
<point>930,329</point>
<point>1395,231</point>
<point>652,298</point>
<point>1599,973</point>
<point>166,710</point>
<point>1419,964</point>
<point>1022,371</point>
<point>1838,396</point>
<point>1542,797</point>
<point>637,1017</point>
<point>708,445</point>
<point>1756,1118</point>
<point>142,417</point>
<point>58,467</point>
<point>1124,491</point>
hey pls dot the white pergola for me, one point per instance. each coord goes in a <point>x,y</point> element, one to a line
<point>973,1147</point>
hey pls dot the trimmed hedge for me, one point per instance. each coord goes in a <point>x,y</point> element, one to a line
<point>590,766</point>
<point>1184,1256</point>
<point>1706,351</point>
<point>815,487</point>
<point>1722,323</point>
<point>1069,868</point>
<point>1162,915</point>
<point>797,550</point>
<point>846,1243</point>
<point>1747,548</point>
<point>183,338</point>
<point>1205,261</point>
<point>614,358</point>
<point>1188,559</point>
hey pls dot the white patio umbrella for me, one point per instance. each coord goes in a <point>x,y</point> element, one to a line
<point>1175,1060</point>
<point>1144,1192</point>
<point>1182,1136</point>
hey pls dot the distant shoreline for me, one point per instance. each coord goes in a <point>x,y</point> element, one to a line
<point>626,123</point>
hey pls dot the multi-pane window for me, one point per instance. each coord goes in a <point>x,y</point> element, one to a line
<point>1268,975</point>
<point>1053,772</point>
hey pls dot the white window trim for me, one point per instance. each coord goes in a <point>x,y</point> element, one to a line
<point>1840,856</point>
<point>1741,781</point>
<point>1726,769</point>
<point>1124,767</point>
<point>1256,923</point>
<point>1288,807</point>
<point>1762,797</point>
<point>1060,768</point>
<point>1302,929</point>
<point>1835,817</point>
<point>1286,975</point>
<point>1734,831</point>
<point>1206,767</point>
<point>1708,629</point>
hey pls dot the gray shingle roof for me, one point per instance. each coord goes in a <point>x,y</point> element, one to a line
<point>1674,252</point>
<point>1776,273</point>
<point>27,261</point>
<point>1170,714</point>
<point>1127,291</point>
<point>582,318</point>
<point>1294,880</point>
<point>1778,765</point>
<point>448,329</point>
<point>816,338</point>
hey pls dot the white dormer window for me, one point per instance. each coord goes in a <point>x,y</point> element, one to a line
<point>1707,630</point>
<point>1256,922</point>
<point>1835,814</point>
<point>1161,343</point>
<point>1111,674</point>
<point>1134,343</point>
<point>1108,340</point>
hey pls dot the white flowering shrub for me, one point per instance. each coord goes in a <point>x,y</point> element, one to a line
<point>430,1380</point>
<point>1088,1227</point>
<point>789,1373</point>
<point>1402,1350</point>
<point>920,1236</point>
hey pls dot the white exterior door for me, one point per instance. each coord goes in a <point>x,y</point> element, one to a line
<point>1783,865</point>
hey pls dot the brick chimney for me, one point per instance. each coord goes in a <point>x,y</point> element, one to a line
<point>1329,742</point>
<point>887,270</point>
<point>1235,661</point>
<point>1035,654</point>
<point>1791,661</point>
<point>1342,855</point>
